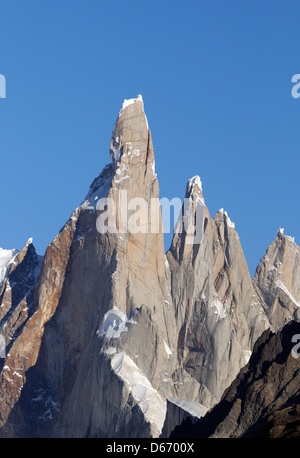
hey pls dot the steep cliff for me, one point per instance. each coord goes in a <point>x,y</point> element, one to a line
<point>264,399</point>
<point>218,313</point>
<point>277,280</point>
<point>123,340</point>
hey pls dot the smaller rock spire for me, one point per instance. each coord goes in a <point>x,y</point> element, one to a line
<point>194,189</point>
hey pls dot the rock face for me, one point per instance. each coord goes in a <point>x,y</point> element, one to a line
<point>112,321</point>
<point>218,313</point>
<point>264,399</point>
<point>104,313</point>
<point>121,339</point>
<point>20,275</point>
<point>178,410</point>
<point>277,281</point>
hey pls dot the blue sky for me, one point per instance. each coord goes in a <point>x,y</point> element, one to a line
<point>215,77</point>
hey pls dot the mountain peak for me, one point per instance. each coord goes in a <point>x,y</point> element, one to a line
<point>103,332</point>
<point>128,102</point>
<point>280,233</point>
<point>29,242</point>
<point>194,189</point>
<point>226,218</point>
<point>131,129</point>
<point>195,181</point>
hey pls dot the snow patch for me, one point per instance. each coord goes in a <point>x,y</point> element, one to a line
<point>281,231</point>
<point>291,239</point>
<point>247,355</point>
<point>122,178</point>
<point>47,404</point>
<point>167,265</point>
<point>196,194</point>
<point>220,309</point>
<point>151,403</point>
<point>114,324</point>
<point>281,286</point>
<point>153,170</point>
<point>229,222</point>
<point>115,147</point>
<point>192,407</point>
<point>17,374</point>
<point>167,348</point>
<point>7,258</point>
<point>128,102</point>
<point>272,268</point>
<point>122,169</point>
<point>196,180</point>
<point>110,351</point>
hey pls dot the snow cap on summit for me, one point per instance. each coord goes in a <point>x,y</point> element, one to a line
<point>128,102</point>
<point>281,232</point>
<point>194,189</point>
<point>131,128</point>
<point>228,220</point>
<point>196,180</point>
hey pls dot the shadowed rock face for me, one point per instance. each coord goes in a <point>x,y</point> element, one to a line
<point>277,281</point>
<point>121,340</point>
<point>263,400</point>
<point>17,308</point>
<point>218,313</point>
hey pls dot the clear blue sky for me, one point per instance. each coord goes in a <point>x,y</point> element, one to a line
<point>215,77</point>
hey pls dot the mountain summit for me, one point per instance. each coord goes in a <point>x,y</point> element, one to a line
<point>109,336</point>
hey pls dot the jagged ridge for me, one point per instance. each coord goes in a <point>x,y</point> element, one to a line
<point>120,333</point>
